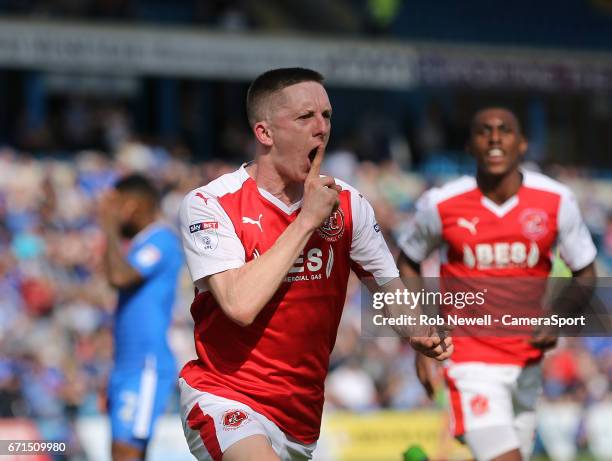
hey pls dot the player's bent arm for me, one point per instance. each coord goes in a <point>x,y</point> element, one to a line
<point>243,292</point>
<point>588,271</point>
<point>119,273</point>
<point>577,296</point>
<point>431,344</point>
<point>411,270</point>
<point>425,368</point>
<point>407,267</point>
<point>397,309</point>
<point>572,300</point>
<point>423,339</point>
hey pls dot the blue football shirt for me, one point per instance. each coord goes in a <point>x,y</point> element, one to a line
<point>144,311</point>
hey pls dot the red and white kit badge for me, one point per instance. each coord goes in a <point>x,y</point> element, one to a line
<point>534,223</point>
<point>479,405</point>
<point>233,419</point>
<point>332,228</point>
<point>205,234</point>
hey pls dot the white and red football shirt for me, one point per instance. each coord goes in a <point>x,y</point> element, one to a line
<point>278,364</point>
<point>479,238</point>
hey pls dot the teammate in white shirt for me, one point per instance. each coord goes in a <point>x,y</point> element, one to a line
<point>270,248</point>
<point>502,223</point>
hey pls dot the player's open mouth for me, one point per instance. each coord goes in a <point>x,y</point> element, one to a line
<point>495,153</point>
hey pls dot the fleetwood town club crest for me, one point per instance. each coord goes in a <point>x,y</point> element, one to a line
<point>332,228</point>
<point>233,419</point>
<point>534,223</point>
<point>479,405</point>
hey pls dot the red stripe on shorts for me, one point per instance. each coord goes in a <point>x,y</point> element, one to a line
<point>205,425</point>
<point>455,401</point>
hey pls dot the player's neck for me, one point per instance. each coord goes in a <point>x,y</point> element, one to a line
<point>268,179</point>
<point>500,188</point>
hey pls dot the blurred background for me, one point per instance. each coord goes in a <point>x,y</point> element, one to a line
<point>93,89</point>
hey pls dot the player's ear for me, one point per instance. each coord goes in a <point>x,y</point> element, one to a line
<point>468,149</point>
<point>263,133</point>
<point>523,145</point>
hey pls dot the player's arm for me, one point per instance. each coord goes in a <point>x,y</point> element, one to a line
<point>243,290</point>
<point>407,267</point>
<point>577,250</point>
<point>585,272</point>
<point>119,272</point>
<point>426,368</point>
<point>374,264</point>
<point>570,301</point>
<point>431,343</point>
<point>424,339</point>
<point>423,236</point>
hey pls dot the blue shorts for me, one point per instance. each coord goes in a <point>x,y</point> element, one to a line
<point>136,398</point>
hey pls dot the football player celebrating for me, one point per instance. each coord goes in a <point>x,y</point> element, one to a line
<point>502,223</point>
<point>270,247</point>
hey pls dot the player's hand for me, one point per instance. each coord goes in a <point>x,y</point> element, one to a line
<point>438,346</point>
<point>102,400</point>
<point>426,372</point>
<point>320,194</point>
<point>543,338</point>
<point>108,211</point>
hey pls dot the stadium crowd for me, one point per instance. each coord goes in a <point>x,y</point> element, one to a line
<point>55,308</point>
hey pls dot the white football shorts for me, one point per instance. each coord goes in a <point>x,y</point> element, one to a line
<point>212,424</point>
<point>492,406</point>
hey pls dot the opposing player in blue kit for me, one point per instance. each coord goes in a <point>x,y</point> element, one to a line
<point>145,273</point>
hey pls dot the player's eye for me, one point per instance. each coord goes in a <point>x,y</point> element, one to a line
<point>305,116</point>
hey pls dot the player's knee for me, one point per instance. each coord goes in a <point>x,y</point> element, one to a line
<point>512,455</point>
<point>499,443</point>
<point>252,448</point>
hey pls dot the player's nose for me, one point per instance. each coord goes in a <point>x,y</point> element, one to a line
<point>322,126</point>
<point>494,137</point>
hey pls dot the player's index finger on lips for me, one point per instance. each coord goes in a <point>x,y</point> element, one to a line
<point>315,167</point>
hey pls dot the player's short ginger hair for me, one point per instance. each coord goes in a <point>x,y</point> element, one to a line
<point>272,81</point>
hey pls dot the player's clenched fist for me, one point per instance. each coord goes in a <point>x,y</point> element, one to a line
<point>434,346</point>
<point>320,194</point>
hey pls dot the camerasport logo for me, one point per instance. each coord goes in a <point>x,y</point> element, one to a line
<point>332,228</point>
<point>233,419</point>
